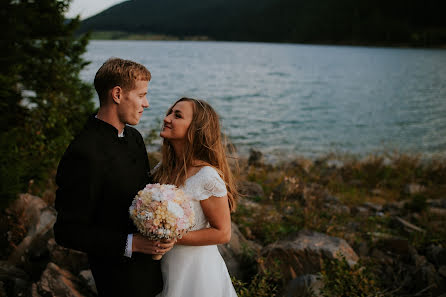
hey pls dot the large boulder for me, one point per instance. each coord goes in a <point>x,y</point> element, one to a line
<point>250,189</point>
<point>305,253</point>
<point>236,248</point>
<point>56,281</point>
<point>36,218</point>
<point>69,259</point>
<point>86,276</point>
<point>308,285</point>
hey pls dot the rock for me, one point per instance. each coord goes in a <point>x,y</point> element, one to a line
<point>373,206</point>
<point>68,259</point>
<point>333,163</point>
<point>409,227</point>
<point>376,192</point>
<point>426,278</point>
<point>255,157</point>
<point>39,219</point>
<point>436,254</point>
<point>304,286</point>
<point>338,209</point>
<point>442,271</point>
<point>412,189</point>
<point>438,203</point>
<point>395,205</point>
<point>234,249</point>
<point>14,279</point>
<point>360,211</point>
<point>35,291</point>
<point>382,257</point>
<point>332,199</point>
<point>87,277</point>
<point>305,253</point>
<point>438,211</point>
<point>249,205</point>
<point>250,189</point>
<point>9,271</point>
<point>56,281</point>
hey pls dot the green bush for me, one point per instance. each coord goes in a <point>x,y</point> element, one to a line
<point>263,284</point>
<point>342,280</point>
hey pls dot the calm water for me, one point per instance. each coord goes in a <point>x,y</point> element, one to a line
<point>306,100</point>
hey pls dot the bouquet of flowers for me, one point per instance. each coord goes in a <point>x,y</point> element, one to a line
<point>162,212</point>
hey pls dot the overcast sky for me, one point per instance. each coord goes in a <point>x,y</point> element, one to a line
<point>87,8</point>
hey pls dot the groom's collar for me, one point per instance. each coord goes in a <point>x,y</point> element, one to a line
<point>107,127</point>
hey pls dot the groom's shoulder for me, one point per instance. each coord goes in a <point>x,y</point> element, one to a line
<point>86,142</point>
<point>83,143</point>
<point>133,132</point>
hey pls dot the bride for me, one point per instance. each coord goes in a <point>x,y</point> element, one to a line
<point>193,158</point>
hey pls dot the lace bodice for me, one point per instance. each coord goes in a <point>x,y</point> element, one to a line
<point>204,184</point>
<point>200,186</point>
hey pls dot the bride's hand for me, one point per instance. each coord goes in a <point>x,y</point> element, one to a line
<point>141,244</point>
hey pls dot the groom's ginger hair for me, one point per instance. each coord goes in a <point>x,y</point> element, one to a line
<point>118,72</point>
<point>204,143</point>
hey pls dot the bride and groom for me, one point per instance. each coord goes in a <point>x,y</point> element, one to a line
<point>106,165</point>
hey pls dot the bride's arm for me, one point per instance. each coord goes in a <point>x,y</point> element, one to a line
<point>216,210</point>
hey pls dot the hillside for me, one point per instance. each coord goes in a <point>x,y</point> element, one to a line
<point>327,21</point>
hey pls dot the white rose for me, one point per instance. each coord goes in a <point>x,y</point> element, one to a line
<point>175,209</point>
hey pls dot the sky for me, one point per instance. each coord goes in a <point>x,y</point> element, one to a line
<point>87,8</point>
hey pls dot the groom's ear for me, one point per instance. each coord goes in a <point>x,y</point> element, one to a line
<point>116,93</point>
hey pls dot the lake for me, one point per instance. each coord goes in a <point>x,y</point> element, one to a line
<point>289,99</point>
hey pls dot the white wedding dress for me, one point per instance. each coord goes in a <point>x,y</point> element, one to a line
<point>197,271</point>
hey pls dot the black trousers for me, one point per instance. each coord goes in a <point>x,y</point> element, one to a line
<point>139,276</point>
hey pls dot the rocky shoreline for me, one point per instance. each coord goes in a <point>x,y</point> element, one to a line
<point>303,228</point>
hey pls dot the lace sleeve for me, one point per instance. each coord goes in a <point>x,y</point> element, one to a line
<point>211,184</point>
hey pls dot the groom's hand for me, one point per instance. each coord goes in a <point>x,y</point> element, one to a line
<point>141,244</point>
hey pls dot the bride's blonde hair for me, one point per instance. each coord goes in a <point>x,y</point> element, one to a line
<point>204,144</point>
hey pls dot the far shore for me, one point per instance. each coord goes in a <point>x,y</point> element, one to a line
<point>121,35</point>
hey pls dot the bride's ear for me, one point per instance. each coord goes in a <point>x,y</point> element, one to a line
<point>116,93</point>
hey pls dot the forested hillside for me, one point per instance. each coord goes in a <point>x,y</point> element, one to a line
<point>407,22</point>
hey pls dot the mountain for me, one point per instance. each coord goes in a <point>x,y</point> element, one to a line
<point>327,21</point>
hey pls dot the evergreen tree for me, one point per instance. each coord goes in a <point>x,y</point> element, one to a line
<point>43,102</point>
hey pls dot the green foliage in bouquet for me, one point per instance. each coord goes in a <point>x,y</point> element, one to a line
<point>43,102</point>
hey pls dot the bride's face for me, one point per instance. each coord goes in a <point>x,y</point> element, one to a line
<point>177,122</point>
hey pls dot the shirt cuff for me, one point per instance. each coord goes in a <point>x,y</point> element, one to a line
<point>128,246</point>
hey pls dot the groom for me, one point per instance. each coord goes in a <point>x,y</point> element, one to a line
<point>100,173</point>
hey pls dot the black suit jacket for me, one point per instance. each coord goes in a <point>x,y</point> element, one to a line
<point>98,177</point>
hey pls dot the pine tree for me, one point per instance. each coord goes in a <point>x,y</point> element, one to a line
<point>43,102</point>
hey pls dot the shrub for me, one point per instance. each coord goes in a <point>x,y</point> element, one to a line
<point>342,280</point>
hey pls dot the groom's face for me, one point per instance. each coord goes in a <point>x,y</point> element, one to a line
<point>133,102</point>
